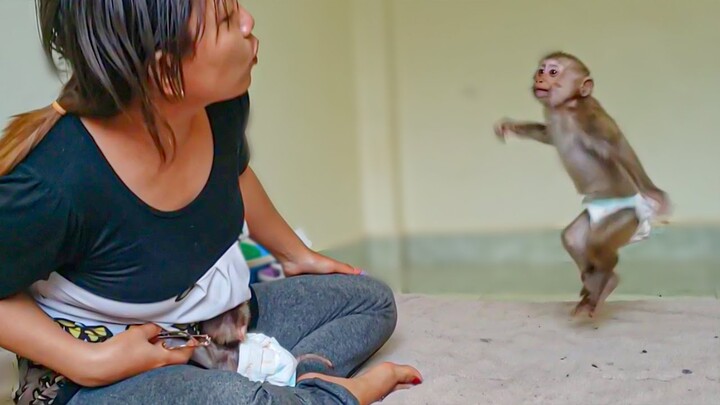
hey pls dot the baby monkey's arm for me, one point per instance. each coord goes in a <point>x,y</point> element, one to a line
<point>604,138</point>
<point>531,130</point>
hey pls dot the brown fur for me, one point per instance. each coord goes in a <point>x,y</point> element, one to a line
<point>564,55</point>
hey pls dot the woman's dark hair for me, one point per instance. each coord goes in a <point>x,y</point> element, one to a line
<point>110,48</point>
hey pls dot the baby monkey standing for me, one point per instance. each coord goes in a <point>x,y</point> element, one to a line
<point>619,201</point>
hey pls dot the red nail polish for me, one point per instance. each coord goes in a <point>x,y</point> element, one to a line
<point>416,381</point>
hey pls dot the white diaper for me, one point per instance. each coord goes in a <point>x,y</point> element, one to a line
<point>261,359</point>
<point>601,208</point>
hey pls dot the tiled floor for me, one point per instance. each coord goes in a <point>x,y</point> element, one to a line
<point>681,261</point>
<point>527,281</point>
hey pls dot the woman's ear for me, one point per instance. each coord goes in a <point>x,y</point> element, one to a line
<point>159,72</point>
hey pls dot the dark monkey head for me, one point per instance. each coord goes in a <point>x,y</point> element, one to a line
<point>561,79</point>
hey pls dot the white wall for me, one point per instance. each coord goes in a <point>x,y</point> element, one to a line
<point>25,79</point>
<point>378,146</point>
<point>461,65</point>
<point>303,129</point>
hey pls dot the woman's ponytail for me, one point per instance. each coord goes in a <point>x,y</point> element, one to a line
<point>24,132</point>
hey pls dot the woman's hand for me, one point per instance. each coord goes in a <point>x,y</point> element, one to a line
<point>128,354</point>
<point>311,262</point>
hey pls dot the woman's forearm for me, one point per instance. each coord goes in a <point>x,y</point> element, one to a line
<point>266,224</point>
<point>28,332</point>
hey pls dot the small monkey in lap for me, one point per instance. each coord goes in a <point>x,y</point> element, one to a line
<point>619,201</point>
<point>227,332</point>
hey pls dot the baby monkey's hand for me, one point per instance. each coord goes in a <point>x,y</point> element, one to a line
<point>660,202</point>
<point>503,127</point>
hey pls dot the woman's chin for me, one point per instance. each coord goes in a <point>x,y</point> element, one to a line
<point>245,84</point>
<point>239,89</point>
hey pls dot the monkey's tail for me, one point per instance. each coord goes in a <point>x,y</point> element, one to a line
<point>321,359</point>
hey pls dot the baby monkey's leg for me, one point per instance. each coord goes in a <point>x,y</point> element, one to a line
<point>604,241</point>
<point>598,283</point>
<point>575,241</point>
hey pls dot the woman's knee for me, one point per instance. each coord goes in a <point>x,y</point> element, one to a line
<point>380,298</point>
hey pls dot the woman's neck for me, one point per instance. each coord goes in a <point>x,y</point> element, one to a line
<point>180,117</point>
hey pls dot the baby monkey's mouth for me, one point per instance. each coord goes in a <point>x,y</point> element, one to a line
<point>541,93</point>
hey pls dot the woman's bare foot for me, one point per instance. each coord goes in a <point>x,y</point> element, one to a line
<point>376,383</point>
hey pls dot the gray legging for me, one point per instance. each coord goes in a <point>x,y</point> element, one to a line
<point>343,318</point>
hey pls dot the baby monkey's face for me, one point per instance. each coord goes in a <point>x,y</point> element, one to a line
<point>556,82</point>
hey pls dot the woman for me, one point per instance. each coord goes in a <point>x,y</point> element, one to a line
<point>120,208</point>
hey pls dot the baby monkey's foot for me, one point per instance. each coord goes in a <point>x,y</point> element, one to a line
<point>591,301</point>
<point>584,305</point>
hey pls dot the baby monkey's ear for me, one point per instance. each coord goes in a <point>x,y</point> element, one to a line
<point>587,86</point>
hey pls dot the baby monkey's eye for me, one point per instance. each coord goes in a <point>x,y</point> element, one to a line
<point>553,72</point>
<point>541,71</point>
